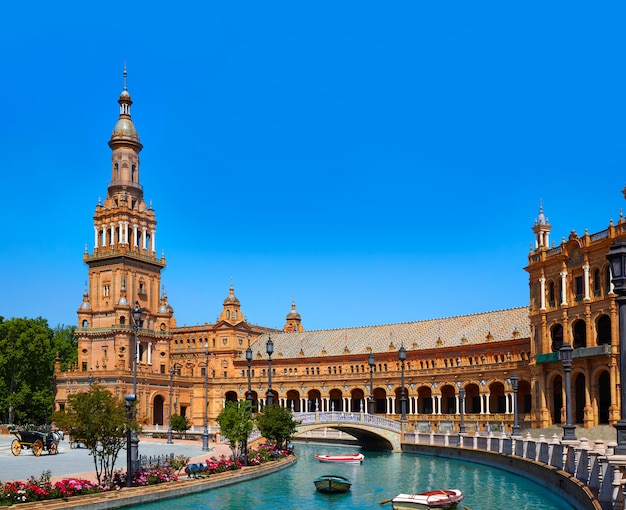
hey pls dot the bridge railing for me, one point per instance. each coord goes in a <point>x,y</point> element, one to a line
<point>594,465</point>
<point>335,417</point>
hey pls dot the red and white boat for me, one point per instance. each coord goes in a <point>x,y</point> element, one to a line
<point>429,500</point>
<point>352,458</point>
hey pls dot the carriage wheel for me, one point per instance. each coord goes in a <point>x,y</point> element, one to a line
<point>37,447</point>
<point>53,449</point>
<point>16,447</point>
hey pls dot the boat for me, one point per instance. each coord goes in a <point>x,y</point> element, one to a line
<point>439,499</point>
<point>352,458</point>
<point>332,484</point>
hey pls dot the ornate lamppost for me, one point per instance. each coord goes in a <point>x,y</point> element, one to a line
<point>249,399</point>
<point>462,429</point>
<point>269,347</point>
<point>205,432</point>
<point>134,438</point>
<point>370,401</point>
<point>515,431</point>
<point>617,259</point>
<point>402,357</point>
<point>566,358</point>
<point>169,428</point>
<point>130,399</point>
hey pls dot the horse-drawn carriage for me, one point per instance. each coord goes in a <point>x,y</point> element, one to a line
<point>35,440</point>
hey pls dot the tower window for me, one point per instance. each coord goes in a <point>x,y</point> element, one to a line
<point>106,290</point>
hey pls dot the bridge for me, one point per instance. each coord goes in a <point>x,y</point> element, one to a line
<point>371,431</point>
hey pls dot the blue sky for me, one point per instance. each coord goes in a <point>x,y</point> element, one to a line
<point>376,162</point>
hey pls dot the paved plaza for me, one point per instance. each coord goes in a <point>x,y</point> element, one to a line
<point>77,462</point>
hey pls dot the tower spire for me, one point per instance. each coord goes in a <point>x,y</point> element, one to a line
<point>542,228</point>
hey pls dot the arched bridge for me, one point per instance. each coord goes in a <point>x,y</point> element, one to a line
<point>371,431</point>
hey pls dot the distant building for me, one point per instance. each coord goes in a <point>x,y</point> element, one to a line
<point>204,366</point>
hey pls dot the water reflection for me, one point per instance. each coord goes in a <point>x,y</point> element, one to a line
<point>380,477</point>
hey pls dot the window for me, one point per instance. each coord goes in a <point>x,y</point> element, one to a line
<point>105,290</point>
<point>162,369</point>
<point>578,283</point>
<point>84,366</point>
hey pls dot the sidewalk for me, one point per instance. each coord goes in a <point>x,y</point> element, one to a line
<point>77,463</point>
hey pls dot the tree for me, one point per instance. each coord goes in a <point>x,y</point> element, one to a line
<point>26,366</point>
<point>99,420</point>
<point>180,424</point>
<point>235,422</point>
<point>276,423</point>
<point>65,345</point>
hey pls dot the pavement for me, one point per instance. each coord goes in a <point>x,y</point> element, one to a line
<point>77,463</point>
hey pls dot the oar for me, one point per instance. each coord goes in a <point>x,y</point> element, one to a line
<point>386,501</point>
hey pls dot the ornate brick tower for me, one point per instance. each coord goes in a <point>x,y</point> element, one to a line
<point>124,269</point>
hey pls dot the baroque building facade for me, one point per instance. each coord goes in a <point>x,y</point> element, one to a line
<point>194,370</point>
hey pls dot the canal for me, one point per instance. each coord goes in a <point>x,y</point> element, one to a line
<point>380,477</point>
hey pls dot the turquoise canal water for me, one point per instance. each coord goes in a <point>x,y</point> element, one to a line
<point>381,476</point>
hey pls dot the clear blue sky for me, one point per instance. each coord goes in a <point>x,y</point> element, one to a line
<point>378,162</point>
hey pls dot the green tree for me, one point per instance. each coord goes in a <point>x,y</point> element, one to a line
<point>26,367</point>
<point>65,345</point>
<point>180,424</point>
<point>99,420</point>
<point>236,423</point>
<point>277,424</point>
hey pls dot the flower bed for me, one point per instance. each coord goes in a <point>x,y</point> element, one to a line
<point>39,489</point>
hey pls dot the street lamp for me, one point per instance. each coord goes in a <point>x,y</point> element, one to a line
<point>269,347</point>
<point>516,428</point>
<point>135,439</point>
<point>169,428</point>
<point>402,357</point>
<point>249,399</point>
<point>617,259</point>
<point>129,432</point>
<point>462,429</point>
<point>205,432</point>
<point>370,402</point>
<point>566,358</point>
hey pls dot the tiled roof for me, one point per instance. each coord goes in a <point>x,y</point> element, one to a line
<point>500,325</point>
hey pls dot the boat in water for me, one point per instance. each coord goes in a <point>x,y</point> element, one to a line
<point>352,458</point>
<point>430,500</point>
<point>332,484</point>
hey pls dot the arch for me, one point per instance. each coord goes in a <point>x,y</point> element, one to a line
<point>579,398</point>
<point>122,320</point>
<point>424,400</point>
<point>497,403</point>
<point>556,333</point>
<point>293,400</point>
<point>472,398</point>
<point>604,397</point>
<point>524,398</point>
<point>557,399</point>
<point>357,400</point>
<point>157,410</point>
<point>579,334</point>
<point>336,400</point>
<point>380,401</point>
<point>448,399</point>
<point>603,330</point>
<point>313,400</point>
<point>231,396</point>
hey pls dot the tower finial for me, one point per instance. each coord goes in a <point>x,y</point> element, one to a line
<point>125,73</point>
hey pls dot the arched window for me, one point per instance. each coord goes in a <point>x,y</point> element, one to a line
<point>551,295</point>
<point>557,337</point>
<point>133,176</point>
<point>117,172</point>
<point>603,329</point>
<point>597,283</point>
<point>579,332</point>
<point>607,280</point>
